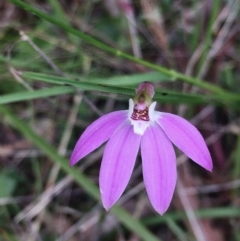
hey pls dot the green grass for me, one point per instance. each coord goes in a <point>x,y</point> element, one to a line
<point>77,64</point>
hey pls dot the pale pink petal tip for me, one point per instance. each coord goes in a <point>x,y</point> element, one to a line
<point>96,134</point>
<point>146,87</point>
<point>117,165</point>
<point>187,138</point>
<point>106,206</point>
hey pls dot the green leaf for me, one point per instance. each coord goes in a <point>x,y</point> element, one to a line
<point>162,96</point>
<point>26,95</point>
<point>132,80</point>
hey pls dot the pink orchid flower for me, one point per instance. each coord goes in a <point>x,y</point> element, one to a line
<point>151,131</point>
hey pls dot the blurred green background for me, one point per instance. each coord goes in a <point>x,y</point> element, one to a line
<point>64,64</point>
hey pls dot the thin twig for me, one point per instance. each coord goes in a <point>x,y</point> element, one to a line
<point>190,213</point>
<point>24,37</point>
<point>213,188</point>
<point>19,79</point>
<point>127,8</point>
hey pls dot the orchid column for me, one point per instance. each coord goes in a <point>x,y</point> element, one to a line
<point>151,131</point>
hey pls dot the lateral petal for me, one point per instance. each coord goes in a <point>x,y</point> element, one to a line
<point>187,138</point>
<point>97,133</point>
<point>159,167</point>
<point>118,163</point>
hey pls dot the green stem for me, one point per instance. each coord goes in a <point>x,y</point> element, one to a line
<point>208,213</point>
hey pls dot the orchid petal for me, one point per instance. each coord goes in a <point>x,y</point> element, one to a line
<point>118,163</point>
<point>159,167</point>
<point>187,138</point>
<point>96,134</point>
